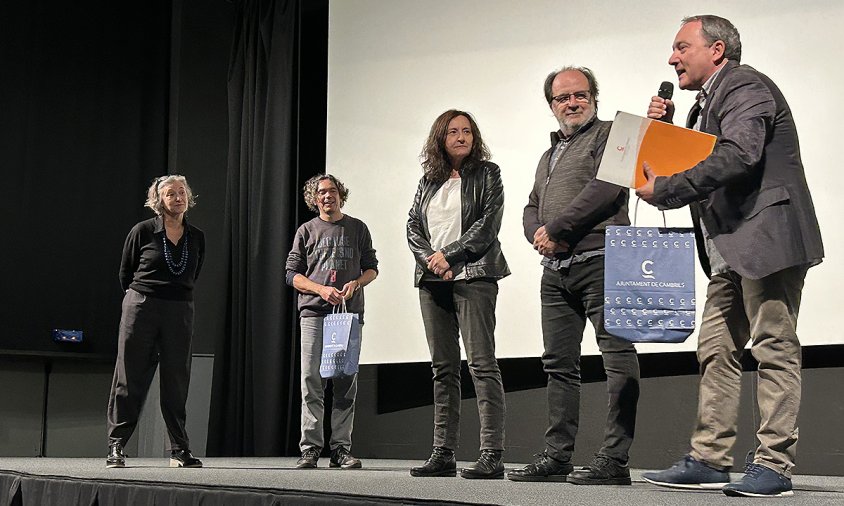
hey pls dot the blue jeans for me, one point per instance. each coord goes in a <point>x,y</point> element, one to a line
<point>451,309</point>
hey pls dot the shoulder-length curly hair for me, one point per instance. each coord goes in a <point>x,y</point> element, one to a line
<point>435,160</point>
<point>312,186</point>
<point>154,200</point>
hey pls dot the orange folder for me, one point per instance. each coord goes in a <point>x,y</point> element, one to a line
<point>667,148</point>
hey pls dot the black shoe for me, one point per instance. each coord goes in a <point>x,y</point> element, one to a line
<point>116,457</point>
<point>487,467</point>
<point>440,463</point>
<point>340,457</point>
<point>309,458</point>
<point>183,458</point>
<point>544,468</point>
<point>603,470</point>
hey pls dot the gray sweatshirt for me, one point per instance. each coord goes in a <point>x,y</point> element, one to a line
<point>331,254</point>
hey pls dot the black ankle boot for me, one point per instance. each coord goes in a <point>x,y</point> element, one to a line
<point>440,463</point>
<point>487,467</point>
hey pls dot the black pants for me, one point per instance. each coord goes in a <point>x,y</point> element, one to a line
<point>450,310</point>
<point>569,297</point>
<point>152,331</point>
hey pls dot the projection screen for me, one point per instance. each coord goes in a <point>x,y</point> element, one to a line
<point>394,65</point>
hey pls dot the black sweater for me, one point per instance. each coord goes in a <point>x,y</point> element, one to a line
<point>144,268</point>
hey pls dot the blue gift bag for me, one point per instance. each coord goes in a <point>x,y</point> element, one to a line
<point>649,283</point>
<point>340,344</point>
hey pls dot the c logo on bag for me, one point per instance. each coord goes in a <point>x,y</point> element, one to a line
<point>647,271</point>
<point>333,337</point>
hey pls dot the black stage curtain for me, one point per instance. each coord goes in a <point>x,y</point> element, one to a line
<point>83,130</point>
<point>255,392</point>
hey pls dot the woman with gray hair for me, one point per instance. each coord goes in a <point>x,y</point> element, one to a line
<point>162,258</point>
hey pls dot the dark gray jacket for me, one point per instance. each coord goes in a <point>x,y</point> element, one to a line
<point>751,192</point>
<point>482,209</point>
<point>572,205</point>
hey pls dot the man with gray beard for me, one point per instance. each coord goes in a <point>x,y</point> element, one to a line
<point>565,221</point>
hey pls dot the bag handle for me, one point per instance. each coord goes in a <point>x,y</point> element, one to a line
<point>339,308</point>
<point>636,212</point>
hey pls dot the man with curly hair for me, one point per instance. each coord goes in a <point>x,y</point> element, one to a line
<point>331,260</point>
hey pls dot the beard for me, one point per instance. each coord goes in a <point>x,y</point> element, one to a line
<point>570,126</point>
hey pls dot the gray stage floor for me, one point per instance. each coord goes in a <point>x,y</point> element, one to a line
<point>390,479</point>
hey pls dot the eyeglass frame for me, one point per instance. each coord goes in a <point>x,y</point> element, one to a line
<point>584,99</point>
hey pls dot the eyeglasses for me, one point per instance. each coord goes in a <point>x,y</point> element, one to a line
<point>564,98</point>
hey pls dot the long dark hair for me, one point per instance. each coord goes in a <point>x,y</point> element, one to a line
<point>435,160</point>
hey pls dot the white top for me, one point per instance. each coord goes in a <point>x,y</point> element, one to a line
<point>444,219</point>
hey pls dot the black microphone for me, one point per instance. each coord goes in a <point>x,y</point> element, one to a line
<point>666,91</point>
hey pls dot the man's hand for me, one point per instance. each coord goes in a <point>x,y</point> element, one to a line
<point>437,263</point>
<point>661,109</point>
<point>349,289</point>
<point>546,246</point>
<point>331,295</point>
<point>646,191</point>
<point>448,275</point>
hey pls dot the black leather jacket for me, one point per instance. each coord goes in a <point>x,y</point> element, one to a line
<point>482,209</point>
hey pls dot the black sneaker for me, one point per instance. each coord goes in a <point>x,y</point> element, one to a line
<point>603,470</point>
<point>309,458</point>
<point>760,481</point>
<point>487,467</point>
<point>340,457</point>
<point>544,468</point>
<point>116,457</point>
<point>183,458</point>
<point>440,463</point>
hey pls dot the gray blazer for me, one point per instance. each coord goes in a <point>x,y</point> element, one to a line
<point>751,192</point>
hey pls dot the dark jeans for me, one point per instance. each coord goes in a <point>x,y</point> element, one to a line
<point>151,331</point>
<point>569,297</point>
<point>467,309</point>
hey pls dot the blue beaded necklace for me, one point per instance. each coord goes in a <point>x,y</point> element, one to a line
<point>176,268</point>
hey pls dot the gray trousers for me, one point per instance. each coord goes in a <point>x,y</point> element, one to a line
<point>451,310</point>
<point>763,312</point>
<point>344,391</point>
<point>152,331</point>
<point>569,297</point>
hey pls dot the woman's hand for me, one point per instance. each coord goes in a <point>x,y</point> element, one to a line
<point>437,263</point>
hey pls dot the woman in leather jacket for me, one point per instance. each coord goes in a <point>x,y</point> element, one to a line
<point>452,231</point>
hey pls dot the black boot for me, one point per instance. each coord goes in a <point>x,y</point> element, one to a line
<point>116,457</point>
<point>440,463</point>
<point>487,467</point>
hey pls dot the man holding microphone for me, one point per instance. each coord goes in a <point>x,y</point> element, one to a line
<point>757,236</point>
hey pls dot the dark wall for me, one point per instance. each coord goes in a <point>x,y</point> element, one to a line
<point>84,129</point>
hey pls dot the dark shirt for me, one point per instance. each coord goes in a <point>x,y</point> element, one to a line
<point>331,254</point>
<point>144,268</point>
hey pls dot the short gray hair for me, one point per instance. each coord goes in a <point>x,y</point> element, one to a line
<point>154,195</point>
<point>715,28</point>
<point>587,73</point>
